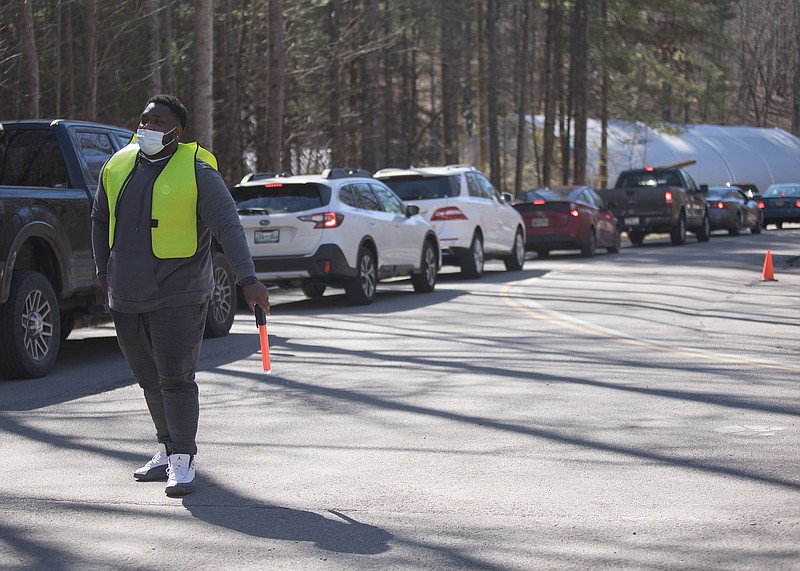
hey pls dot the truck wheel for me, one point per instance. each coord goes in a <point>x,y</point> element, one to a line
<point>472,262</point>
<point>30,327</point>
<point>678,234</point>
<point>222,307</point>
<point>588,249</point>
<point>361,289</point>
<point>67,324</point>
<point>636,237</point>
<point>425,280</point>
<point>704,233</point>
<point>516,259</point>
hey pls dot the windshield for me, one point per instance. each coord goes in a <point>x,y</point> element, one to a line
<point>547,194</point>
<point>783,190</point>
<point>423,187</point>
<point>272,198</point>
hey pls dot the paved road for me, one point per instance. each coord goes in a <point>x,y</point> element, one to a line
<point>632,411</point>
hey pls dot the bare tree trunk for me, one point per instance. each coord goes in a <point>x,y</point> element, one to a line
<point>604,89</point>
<point>334,127</point>
<point>275,91</point>
<point>548,154</point>
<point>480,46</point>
<point>491,92</point>
<point>90,95</point>
<point>229,143</point>
<point>450,87</point>
<point>203,72</point>
<point>31,59</point>
<point>69,58</point>
<point>167,83</point>
<point>153,18</point>
<point>523,57</point>
<point>796,81</point>
<point>581,89</point>
<point>369,83</point>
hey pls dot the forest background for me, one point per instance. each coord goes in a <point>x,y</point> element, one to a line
<point>302,85</point>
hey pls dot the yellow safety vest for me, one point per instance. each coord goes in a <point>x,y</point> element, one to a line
<point>173,227</point>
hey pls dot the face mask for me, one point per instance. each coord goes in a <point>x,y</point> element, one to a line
<point>151,141</point>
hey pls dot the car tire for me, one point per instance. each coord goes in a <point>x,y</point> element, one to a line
<point>590,247</point>
<point>313,290</point>
<point>636,237</point>
<point>516,259</point>
<point>704,233</point>
<point>678,233</point>
<point>758,227</point>
<point>779,225</point>
<point>222,305</point>
<point>737,227</point>
<point>29,352</point>
<point>425,280</point>
<point>617,243</point>
<point>361,289</point>
<point>543,253</point>
<point>472,262</point>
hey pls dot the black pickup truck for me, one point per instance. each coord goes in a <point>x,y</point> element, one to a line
<point>659,200</point>
<point>48,177</point>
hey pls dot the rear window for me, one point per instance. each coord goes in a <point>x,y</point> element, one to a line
<point>717,192</point>
<point>269,198</point>
<point>779,191</point>
<point>423,187</point>
<point>31,157</point>
<point>649,179</point>
<point>546,194</point>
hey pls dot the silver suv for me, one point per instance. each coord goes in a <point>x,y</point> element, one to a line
<point>472,220</point>
<point>341,228</point>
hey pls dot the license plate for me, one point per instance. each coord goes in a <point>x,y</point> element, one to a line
<point>267,236</point>
<point>777,203</point>
<point>539,222</point>
<point>631,220</point>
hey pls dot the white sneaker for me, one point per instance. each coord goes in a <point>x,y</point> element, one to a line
<point>180,475</point>
<point>156,469</point>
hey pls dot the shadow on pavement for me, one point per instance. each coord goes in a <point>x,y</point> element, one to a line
<point>220,506</point>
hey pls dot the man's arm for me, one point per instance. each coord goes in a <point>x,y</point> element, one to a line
<point>100,247</point>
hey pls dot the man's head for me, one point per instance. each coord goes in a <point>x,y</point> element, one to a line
<point>165,114</point>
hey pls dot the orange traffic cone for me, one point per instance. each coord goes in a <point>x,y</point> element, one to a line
<point>766,273</point>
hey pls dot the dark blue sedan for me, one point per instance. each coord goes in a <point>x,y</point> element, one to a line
<point>781,203</point>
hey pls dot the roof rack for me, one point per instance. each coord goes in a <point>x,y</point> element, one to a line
<point>345,173</point>
<point>262,175</point>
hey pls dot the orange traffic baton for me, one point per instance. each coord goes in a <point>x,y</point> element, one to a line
<point>261,323</point>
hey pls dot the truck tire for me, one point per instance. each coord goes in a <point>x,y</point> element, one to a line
<point>222,306</point>
<point>704,233</point>
<point>30,327</point>
<point>678,233</point>
<point>472,262</point>
<point>516,259</point>
<point>361,289</point>
<point>425,280</point>
<point>636,237</point>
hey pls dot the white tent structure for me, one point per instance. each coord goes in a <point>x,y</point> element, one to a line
<point>753,155</point>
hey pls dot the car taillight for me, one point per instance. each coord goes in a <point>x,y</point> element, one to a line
<point>274,185</point>
<point>538,202</point>
<point>668,197</point>
<point>323,219</point>
<point>761,204</point>
<point>720,204</point>
<point>573,210</point>
<point>448,213</point>
<point>797,203</point>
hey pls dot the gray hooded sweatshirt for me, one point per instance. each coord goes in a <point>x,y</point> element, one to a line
<point>139,282</point>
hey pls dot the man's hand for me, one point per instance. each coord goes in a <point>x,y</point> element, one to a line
<point>257,294</point>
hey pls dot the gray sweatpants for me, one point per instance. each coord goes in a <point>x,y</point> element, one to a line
<point>162,348</point>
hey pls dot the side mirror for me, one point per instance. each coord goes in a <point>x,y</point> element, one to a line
<point>704,188</point>
<point>412,210</point>
<point>507,198</point>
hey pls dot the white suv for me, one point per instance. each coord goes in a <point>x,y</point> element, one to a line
<point>472,220</point>
<point>342,228</point>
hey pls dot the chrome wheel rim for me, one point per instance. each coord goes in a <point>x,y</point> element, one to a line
<point>430,266</point>
<point>220,295</point>
<point>37,321</point>
<point>477,254</point>
<point>519,249</point>
<point>367,271</point>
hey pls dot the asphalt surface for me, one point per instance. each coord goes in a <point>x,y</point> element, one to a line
<point>630,411</point>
